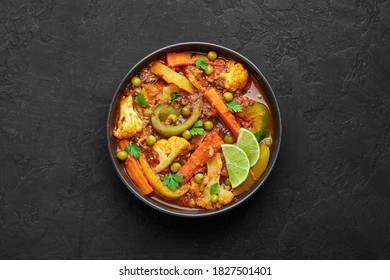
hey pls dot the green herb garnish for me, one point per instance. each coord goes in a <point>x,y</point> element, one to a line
<point>172,181</point>
<point>234,107</point>
<point>201,63</point>
<point>197,128</point>
<point>141,100</point>
<point>214,189</point>
<point>173,97</point>
<point>133,150</point>
<point>260,135</point>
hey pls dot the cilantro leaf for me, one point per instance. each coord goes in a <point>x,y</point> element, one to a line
<point>173,97</point>
<point>234,107</point>
<point>172,181</point>
<point>261,134</point>
<point>197,128</point>
<point>133,150</point>
<point>198,123</point>
<point>201,63</point>
<point>141,100</point>
<point>196,131</point>
<point>214,189</point>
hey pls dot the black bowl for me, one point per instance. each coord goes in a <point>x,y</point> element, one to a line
<point>155,202</point>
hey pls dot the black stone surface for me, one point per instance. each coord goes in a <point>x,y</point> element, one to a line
<point>328,63</point>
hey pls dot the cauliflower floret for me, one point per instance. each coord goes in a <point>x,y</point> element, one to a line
<point>235,77</point>
<point>168,150</point>
<point>214,167</point>
<point>225,197</point>
<point>129,122</point>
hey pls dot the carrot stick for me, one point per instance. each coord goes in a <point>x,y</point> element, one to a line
<point>123,144</point>
<point>206,150</point>
<point>136,174</point>
<point>180,59</point>
<point>222,110</point>
<point>135,171</point>
<point>184,59</point>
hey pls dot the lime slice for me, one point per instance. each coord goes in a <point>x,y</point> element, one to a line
<point>247,141</point>
<point>237,164</point>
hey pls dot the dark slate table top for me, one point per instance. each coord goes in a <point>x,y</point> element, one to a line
<point>328,63</point>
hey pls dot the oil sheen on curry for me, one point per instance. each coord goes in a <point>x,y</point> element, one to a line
<point>194,130</point>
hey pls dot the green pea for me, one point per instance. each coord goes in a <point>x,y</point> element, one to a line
<point>192,203</point>
<point>148,112</point>
<point>214,198</point>
<point>183,103</point>
<point>121,155</point>
<point>212,55</point>
<point>228,96</point>
<point>210,69</point>
<point>208,125</point>
<point>268,142</point>
<point>173,118</point>
<point>135,81</point>
<point>187,135</point>
<point>150,140</point>
<point>175,167</point>
<point>199,177</point>
<point>228,139</point>
<point>185,112</point>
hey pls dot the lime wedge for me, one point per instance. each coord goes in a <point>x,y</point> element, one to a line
<point>237,164</point>
<point>247,141</point>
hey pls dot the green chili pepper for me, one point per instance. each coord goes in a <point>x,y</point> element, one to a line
<point>161,114</point>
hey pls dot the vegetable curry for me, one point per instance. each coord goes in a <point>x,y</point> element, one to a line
<point>194,130</point>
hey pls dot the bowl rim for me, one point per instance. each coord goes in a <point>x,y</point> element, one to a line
<point>276,118</point>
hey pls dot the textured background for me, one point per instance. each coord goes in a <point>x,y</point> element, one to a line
<point>328,63</point>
